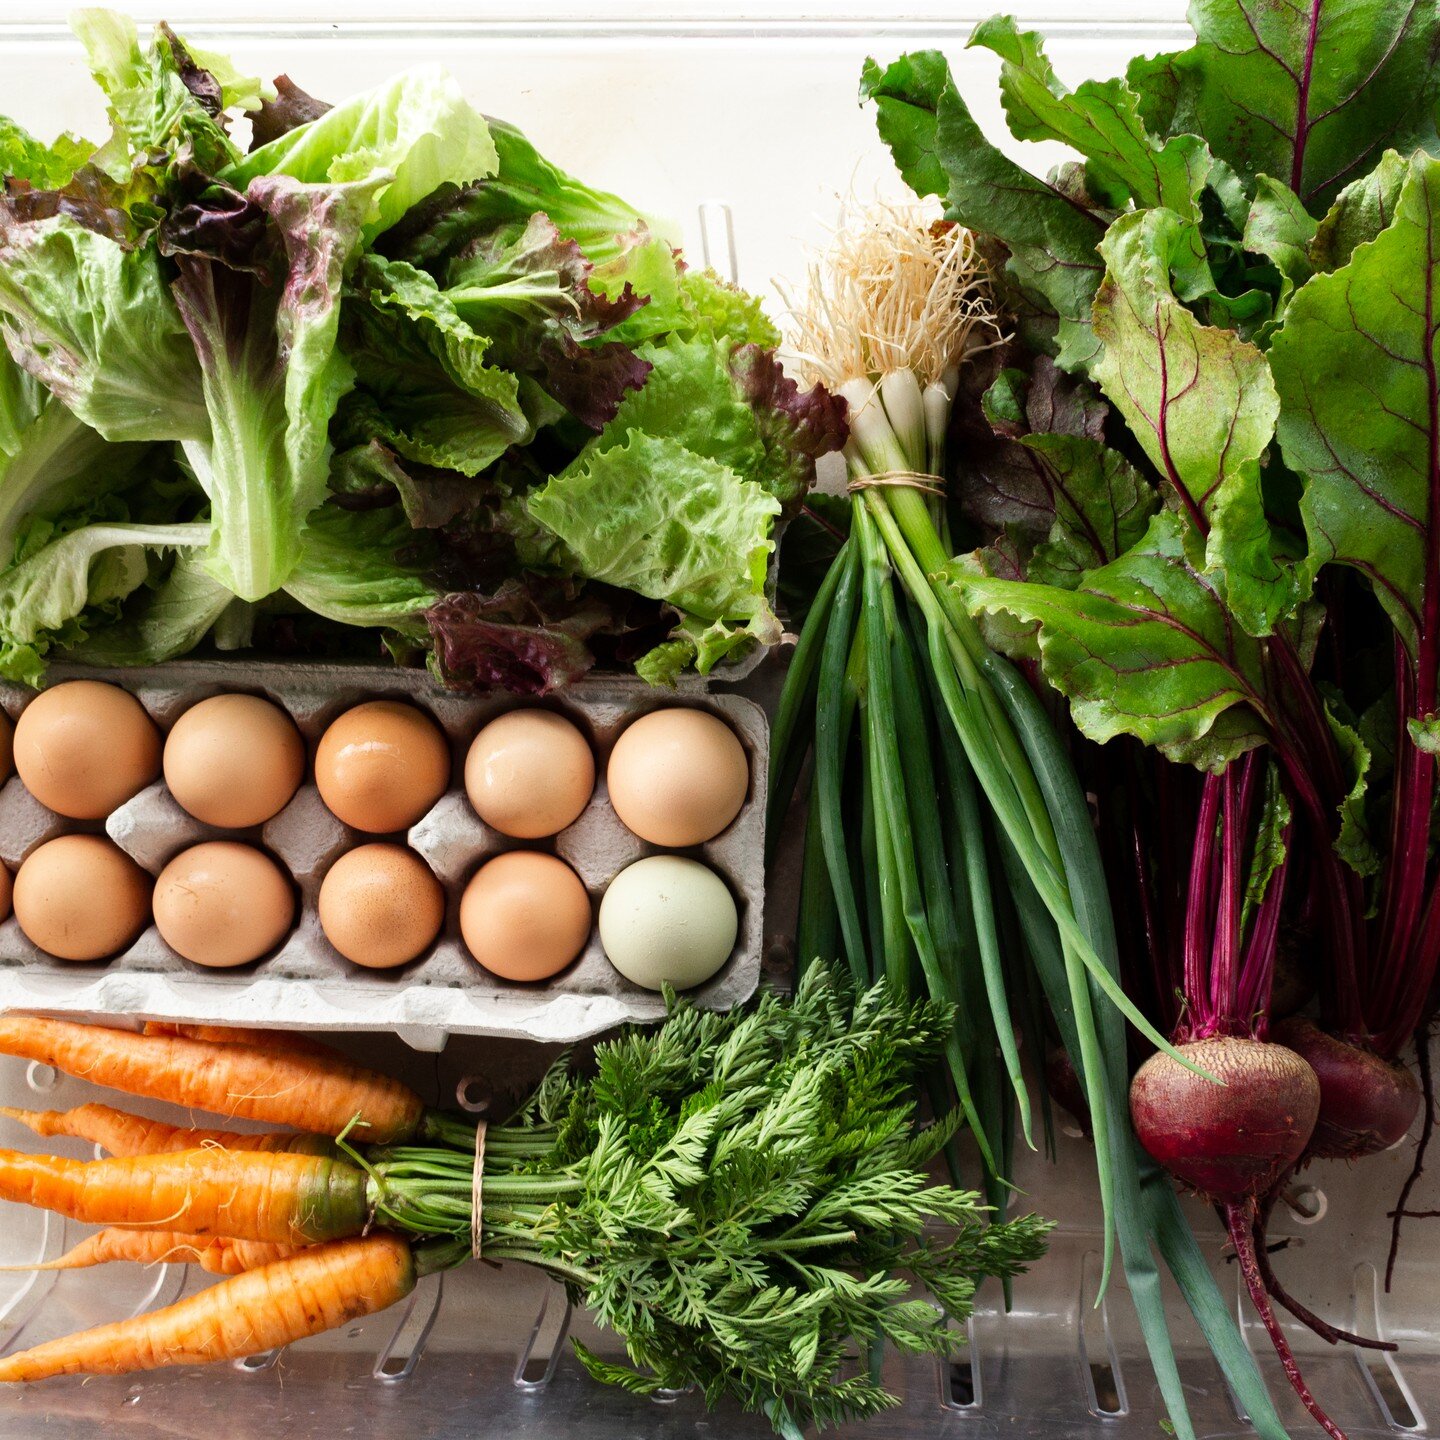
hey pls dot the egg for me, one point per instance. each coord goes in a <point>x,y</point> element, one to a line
<point>529,773</point>
<point>7,890</point>
<point>81,897</point>
<point>223,903</point>
<point>7,747</point>
<point>380,905</point>
<point>84,748</point>
<point>677,777</point>
<point>668,919</point>
<point>234,760</point>
<point>525,915</point>
<point>382,765</point>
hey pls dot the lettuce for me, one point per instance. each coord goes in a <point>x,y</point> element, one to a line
<point>416,128</point>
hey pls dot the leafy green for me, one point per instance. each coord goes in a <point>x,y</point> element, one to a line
<point>52,595</point>
<point>1307,92</point>
<point>651,516</point>
<point>1145,646</point>
<point>1354,367</point>
<point>46,167</point>
<point>417,129</point>
<point>351,571</point>
<point>96,324</point>
<point>1101,120</point>
<point>1050,235</point>
<point>1199,400</point>
<point>742,1198</point>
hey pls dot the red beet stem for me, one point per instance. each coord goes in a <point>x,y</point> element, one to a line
<point>1240,1220</point>
<point>1332,1334</point>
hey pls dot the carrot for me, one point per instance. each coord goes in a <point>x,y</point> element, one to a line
<point>311,1291</point>
<point>215,1253</point>
<point>121,1133</point>
<point>291,1040</point>
<point>286,1199</point>
<point>313,1093</point>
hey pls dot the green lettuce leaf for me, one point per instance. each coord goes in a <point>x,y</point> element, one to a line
<point>417,129</point>
<point>1309,92</point>
<point>1146,646</point>
<point>351,571</point>
<point>1354,367</point>
<point>655,518</point>
<point>1100,119</point>
<point>161,99</point>
<point>272,377</point>
<point>52,596</point>
<point>46,167</point>
<point>1050,234</point>
<point>426,387</point>
<point>1200,402</point>
<point>96,324</point>
<point>520,183</point>
<point>166,617</point>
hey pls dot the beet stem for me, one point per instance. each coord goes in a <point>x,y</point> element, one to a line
<point>1240,1220</point>
<point>1427,1129</point>
<point>1332,1334</point>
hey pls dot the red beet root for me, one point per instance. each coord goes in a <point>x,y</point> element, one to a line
<point>1366,1103</point>
<point>1233,1141</point>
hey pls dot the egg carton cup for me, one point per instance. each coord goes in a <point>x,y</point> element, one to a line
<point>306,983</point>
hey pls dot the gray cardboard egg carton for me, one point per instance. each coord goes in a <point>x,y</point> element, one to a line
<point>306,983</point>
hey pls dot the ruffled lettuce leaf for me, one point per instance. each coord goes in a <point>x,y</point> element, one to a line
<point>165,617</point>
<point>363,568</point>
<point>52,596</point>
<point>655,518</point>
<point>426,387</point>
<point>272,374</point>
<point>530,636</point>
<point>96,323</point>
<point>45,167</point>
<point>417,128</point>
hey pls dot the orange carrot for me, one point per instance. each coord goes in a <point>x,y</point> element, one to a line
<point>292,1040</point>
<point>312,1093</point>
<point>122,1133</point>
<point>286,1199</point>
<point>215,1253</point>
<point>311,1291</point>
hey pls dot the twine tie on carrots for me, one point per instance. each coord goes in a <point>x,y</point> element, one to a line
<point>477,1188</point>
<point>920,480</point>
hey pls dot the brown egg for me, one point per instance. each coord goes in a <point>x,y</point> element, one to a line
<point>234,760</point>
<point>7,748</point>
<point>223,903</point>
<point>380,905</point>
<point>529,773</point>
<point>7,889</point>
<point>382,765</point>
<point>525,915</point>
<point>84,748</point>
<point>81,897</point>
<point>678,777</point>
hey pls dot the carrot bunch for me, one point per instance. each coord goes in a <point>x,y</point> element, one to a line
<point>282,1213</point>
<point>743,1198</point>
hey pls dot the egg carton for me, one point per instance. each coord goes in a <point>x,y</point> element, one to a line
<point>306,983</point>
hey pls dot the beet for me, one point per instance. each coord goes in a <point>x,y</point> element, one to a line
<point>1366,1103</point>
<point>1233,1141</point>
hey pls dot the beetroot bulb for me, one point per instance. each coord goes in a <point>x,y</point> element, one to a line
<point>1232,1144</point>
<point>1367,1104</point>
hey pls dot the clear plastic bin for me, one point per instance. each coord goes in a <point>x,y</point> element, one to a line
<point>744,126</point>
